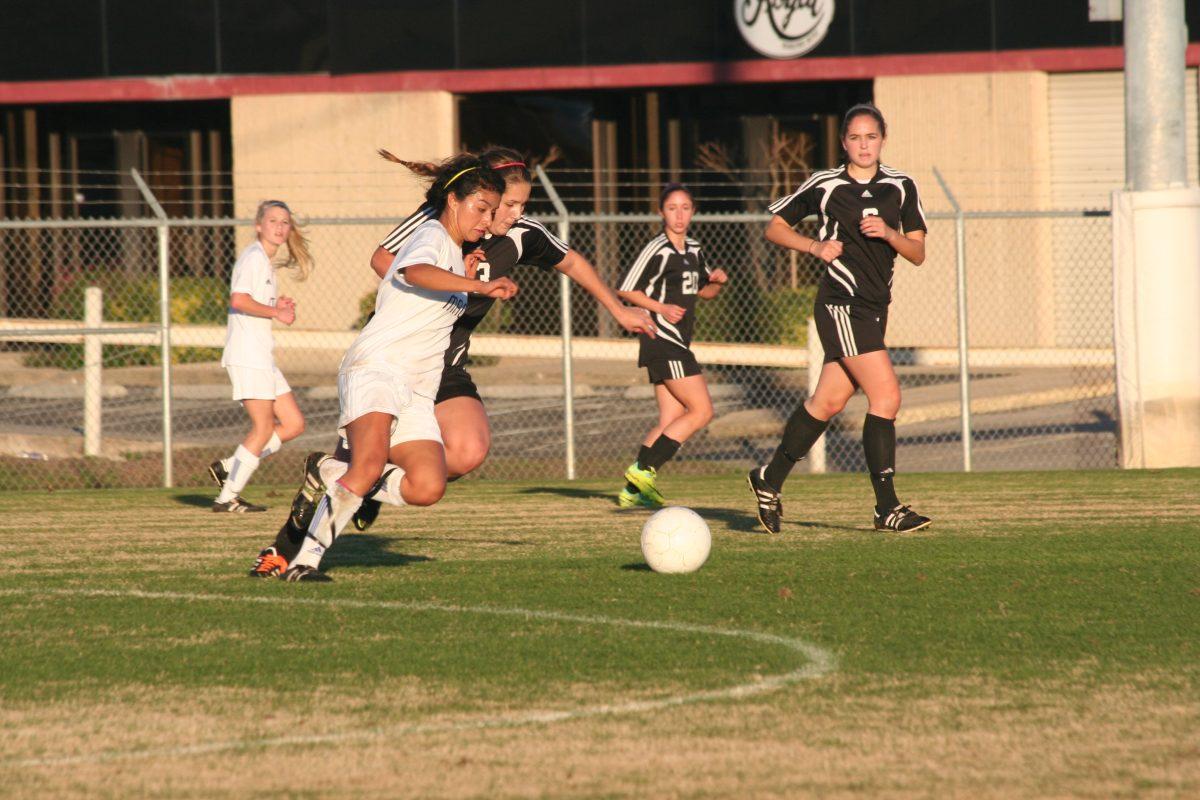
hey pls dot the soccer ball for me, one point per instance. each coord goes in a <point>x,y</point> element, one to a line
<point>676,540</point>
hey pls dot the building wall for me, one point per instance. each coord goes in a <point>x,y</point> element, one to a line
<point>317,152</point>
<point>988,134</point>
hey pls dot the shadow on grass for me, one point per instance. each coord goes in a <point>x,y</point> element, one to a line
<point>578,493</point>
<point>366,550</point>
<point>637,566</point>
<point>196,500</point>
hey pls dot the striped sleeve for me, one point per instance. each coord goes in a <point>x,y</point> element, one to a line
<point>637,275</point>
<point>540,247</point>
<point>912,215</point>
<point>395,240</point>
<point>802,202</point>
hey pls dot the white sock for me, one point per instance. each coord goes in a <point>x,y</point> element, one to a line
<point>332,516</point>
<point>390,491</point>
<point>331,470</point>
<point>272,446</point>
<point>241,467</point>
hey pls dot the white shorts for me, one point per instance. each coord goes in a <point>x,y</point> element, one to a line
<point>251,383</point>
<point>362,390</point>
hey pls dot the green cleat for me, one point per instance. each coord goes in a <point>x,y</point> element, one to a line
<point>628,499</point>
<point>645,479</point>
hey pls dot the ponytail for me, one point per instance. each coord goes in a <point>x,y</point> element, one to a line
<point>460,175</point>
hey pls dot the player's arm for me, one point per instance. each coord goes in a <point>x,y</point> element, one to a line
<point>716,282</point>
<point>427,276</point>
<point>580,270</point>
<point>911,245</point>
<point>780,232</point>
<point>240,301</point>
<point>381,261</point>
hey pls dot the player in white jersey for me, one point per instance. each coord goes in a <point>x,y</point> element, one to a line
<point>249,358</point>
<point>389,377</point>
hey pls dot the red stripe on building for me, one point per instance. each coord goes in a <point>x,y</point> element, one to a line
<point>623,76</point>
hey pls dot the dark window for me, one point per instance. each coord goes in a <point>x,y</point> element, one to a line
<point>51,39</point>
<point>273,36</point>
<point>383,35</point>
<point>149,37</point>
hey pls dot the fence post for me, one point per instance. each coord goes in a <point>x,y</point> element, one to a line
<point>164,311</point>
<point>960,269</point>
<point>816,359</point>
<point>93,370</point>
<point>564,285</point>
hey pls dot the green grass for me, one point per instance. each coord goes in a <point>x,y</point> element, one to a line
<point>1031,595</point>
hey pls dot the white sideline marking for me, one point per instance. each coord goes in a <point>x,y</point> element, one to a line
<point>819,662</point>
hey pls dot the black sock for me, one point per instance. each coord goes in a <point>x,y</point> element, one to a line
<point>659,453</point>
<point>289,540</point>
<point>799,435</point>
<point>643,453</point>
<point>879,446</point>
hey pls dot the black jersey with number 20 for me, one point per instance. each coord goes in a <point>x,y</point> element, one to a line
<point>862,275</point>
<point>673,277</point>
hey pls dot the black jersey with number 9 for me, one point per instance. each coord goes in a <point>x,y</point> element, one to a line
<point>862,275</point>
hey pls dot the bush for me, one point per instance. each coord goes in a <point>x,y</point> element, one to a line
<point>744,313</point>
<point>196,301</point>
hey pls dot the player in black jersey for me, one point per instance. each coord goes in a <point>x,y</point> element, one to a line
<point>867,213</point>
<point>665,279</point>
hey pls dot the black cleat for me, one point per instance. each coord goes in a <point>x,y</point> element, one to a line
<point>218,473</point>
<point>237,506</point>
<point>368,512</point>
<point>303,572</point>
<point>901,519</point>
<point>304,504</point>
<point>770,506</point>
<point>269,564</point>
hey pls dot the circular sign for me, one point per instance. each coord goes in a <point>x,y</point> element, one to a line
<point>783,28</point>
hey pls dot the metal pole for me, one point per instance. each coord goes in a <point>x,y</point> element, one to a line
<point>1155,69</point>
<point>960,268</point>
<point>564,285</point>
<point>164,312</point>
<point>93,371</point>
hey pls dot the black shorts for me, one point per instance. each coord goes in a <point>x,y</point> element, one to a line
<point>849,330</point>
<point>662,366</point>
<point>456,382</point>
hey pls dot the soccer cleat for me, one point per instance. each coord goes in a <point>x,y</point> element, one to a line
<point>268,564</point>
<point>770,506</point>
<point>645,480</point>
<point>901,519</point>
<point>304,504</point>
<point>237,506</point>
<point>628,499</point>
<point>218,473</point>
<point>303,572</point>
<point>366,515</point>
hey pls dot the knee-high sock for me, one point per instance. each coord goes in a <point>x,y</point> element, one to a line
<point>272,446</point>
<point>879,446</point>
<point>387,490</point>
<point>240,469</point>
<point>799,435</point>
<point>333,514</point>
<point>659,453</point>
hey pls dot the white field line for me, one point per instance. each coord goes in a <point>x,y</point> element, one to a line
<point>818,662</point>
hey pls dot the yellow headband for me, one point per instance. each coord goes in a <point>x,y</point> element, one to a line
<point>456,177</point>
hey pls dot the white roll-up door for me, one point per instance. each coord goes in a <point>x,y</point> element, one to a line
<point>1087,137</point>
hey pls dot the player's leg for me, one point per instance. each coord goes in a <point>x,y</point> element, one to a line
<point>641,477</point>
<point>256,384</point>
<point>467,434</point>
<point>246,457</point>
<point>415,474</point>
<point>289,421</point>
<point>875,374</point>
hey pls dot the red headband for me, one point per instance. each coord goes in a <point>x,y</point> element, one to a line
<point>509,164</point>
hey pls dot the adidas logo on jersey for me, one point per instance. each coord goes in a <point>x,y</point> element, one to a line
<point>867,193</point>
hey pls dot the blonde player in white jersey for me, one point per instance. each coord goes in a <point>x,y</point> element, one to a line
<point>249,351</point>
<point>389,377</point>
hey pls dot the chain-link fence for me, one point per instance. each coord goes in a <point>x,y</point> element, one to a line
<point>87,401</point>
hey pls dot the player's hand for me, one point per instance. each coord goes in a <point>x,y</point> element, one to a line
<point>636,320</point>
<point>875,228</point>
<point>471,261</point>
<point>718,276</point>
<point>285,313</point>
<point>672,313</point>
<point>828,251</point>
<point>501,289</point>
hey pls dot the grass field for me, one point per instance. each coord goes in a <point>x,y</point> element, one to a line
<point>1043,638</point>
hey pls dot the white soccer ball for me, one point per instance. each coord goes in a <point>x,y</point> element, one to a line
<point>676,540</point>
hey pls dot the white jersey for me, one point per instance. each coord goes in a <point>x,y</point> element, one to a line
<point>411,327</point>
<point>248,340</point>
